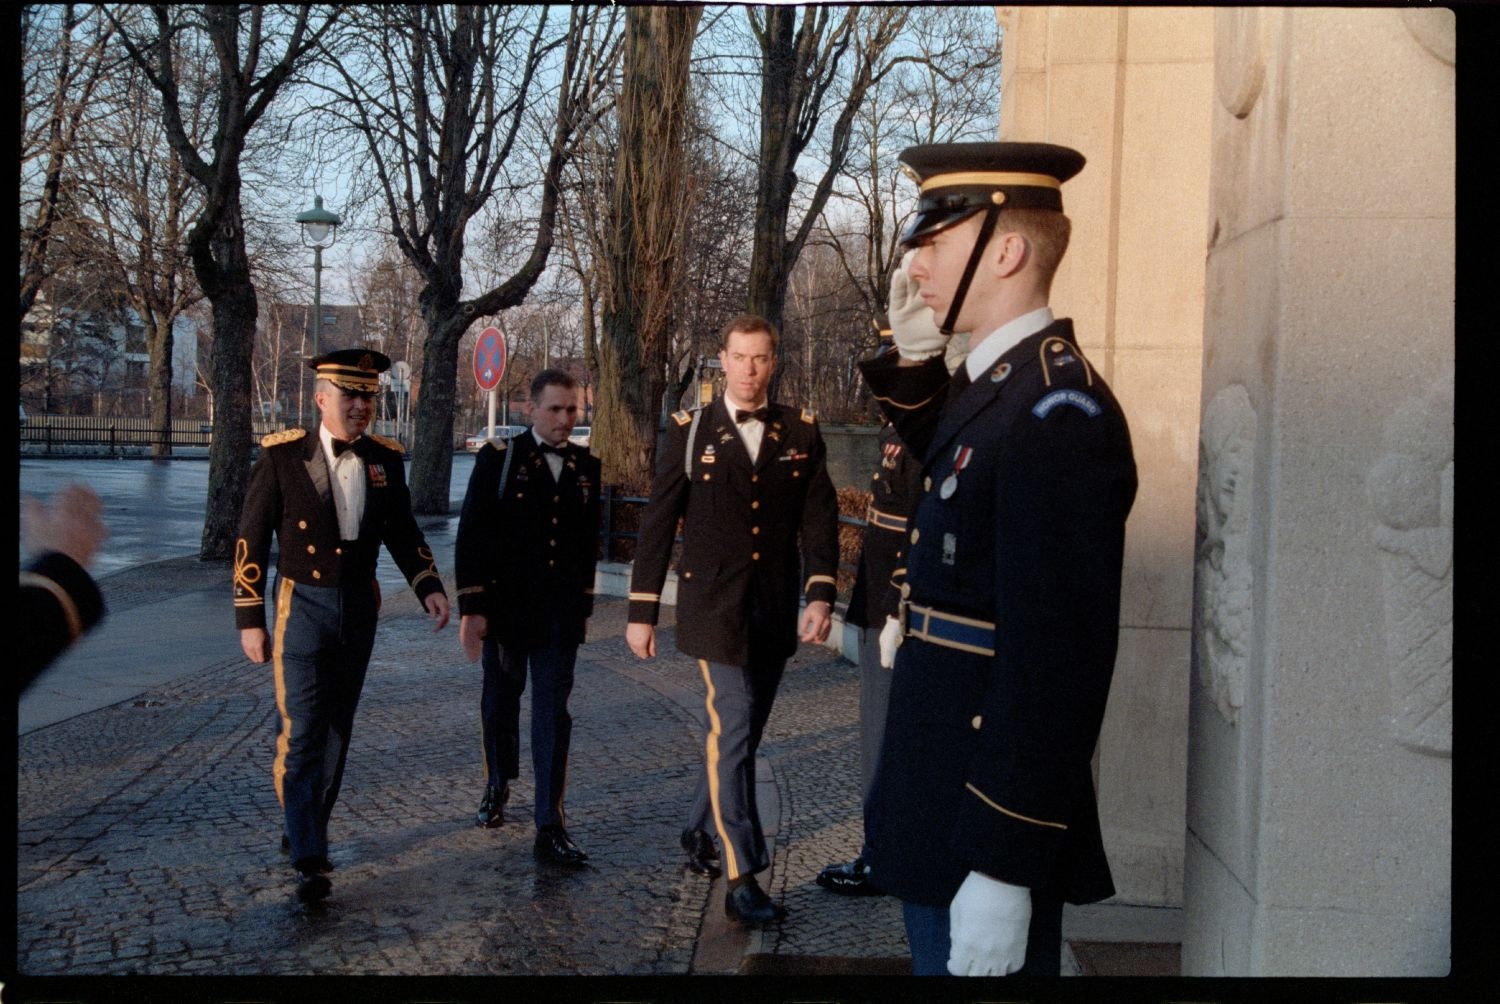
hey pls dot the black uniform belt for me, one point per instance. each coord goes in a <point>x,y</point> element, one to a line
<point>949,630</point>
<point>885,520</point>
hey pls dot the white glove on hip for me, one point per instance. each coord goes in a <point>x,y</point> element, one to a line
<point>913,327</point>
<point>890,640</point>
<point>988,920</point>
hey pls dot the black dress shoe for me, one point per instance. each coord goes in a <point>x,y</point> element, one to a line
<point>701,856</point>
<point>747,903</point>
<point>492,808</point>
<point>851,878</point>
<point>554,847</point>
<point>308,866</point>
<point>314,888</point>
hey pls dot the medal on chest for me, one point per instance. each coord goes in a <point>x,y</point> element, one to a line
<point>960,461</point>
<point>376,474</point>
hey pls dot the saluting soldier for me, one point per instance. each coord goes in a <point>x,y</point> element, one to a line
<point>331,498</point>
<point>749,478</point>
<point>983,818</point>
<point>525,557</point>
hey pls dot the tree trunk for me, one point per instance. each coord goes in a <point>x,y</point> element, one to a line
<point>159,385</point>
<point>224,275</point>
<point>645,235</point>
<point>432,439</point>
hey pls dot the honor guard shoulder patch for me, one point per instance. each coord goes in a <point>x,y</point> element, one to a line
<point>809,416</point>
<point>681,417</point>
<point>388,443</point>
<point>284,436</point>
<point>1075,398</point>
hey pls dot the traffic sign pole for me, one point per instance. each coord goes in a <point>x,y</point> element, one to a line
<point>489,367</point>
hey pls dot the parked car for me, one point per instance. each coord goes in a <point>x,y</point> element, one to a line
<point>580,436</point>
<point>502,432</point>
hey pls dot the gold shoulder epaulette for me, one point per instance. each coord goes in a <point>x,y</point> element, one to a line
<point>284,436</point>
<point>681,417</point>
<point>809,416</point>
<point>389,443</point>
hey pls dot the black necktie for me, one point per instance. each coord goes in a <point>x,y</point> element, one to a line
<point>759,414</point>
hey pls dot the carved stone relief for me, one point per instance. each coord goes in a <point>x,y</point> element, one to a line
<point>1242,42</point>
<point>1410,488</point>
<point>1224,614</point>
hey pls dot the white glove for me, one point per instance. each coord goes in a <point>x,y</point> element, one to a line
<point>988,920</point>
<point>890,640</point>
<point>913,327</point>
<point>958,351</point>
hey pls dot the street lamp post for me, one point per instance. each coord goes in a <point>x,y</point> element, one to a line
<point>319,229</point>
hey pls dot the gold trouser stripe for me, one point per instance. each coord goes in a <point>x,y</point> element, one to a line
<point>1016,815</point>
<point>69,608</point>
<point>1025,178</point>
<point>284,740</point>
<point>715,729</point>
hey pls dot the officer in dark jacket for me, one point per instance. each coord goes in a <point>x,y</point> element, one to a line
<point>750,480</point>
<point>525,556</point>
<point>983,817</point>
<point>332,498</point>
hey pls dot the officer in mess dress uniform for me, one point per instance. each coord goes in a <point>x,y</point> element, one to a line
<point>525,558</point>
<point>331,496</point>
<point>983,819</point>
<point>749,479</point>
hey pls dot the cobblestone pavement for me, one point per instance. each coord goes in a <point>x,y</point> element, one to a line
<point>147,831</point>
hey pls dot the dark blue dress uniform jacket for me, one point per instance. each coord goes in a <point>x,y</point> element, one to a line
<point>526,560</point>
<point>290,495</point>
<point>986,762</point>
<point>741,528</point>
<point>59,602</point>
<point>895,488</point>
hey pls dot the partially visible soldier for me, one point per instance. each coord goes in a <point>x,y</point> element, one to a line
<point>59,599</point>
<point>895,488</point>
<point>331,498</point>
<point>525,557</point>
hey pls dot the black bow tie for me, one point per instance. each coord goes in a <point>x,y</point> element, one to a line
<point>759,414</point>
<point>340,445</point>
<point>549,448</point>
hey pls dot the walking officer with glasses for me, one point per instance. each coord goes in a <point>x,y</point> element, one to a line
<point>331,499</point>
<point>982,818</point>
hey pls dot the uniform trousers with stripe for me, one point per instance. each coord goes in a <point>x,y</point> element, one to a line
<point>738,703</point>
<point>505,669</point>
<point>321,651</point>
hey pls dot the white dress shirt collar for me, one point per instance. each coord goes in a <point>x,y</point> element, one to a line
<point>1004,338</point>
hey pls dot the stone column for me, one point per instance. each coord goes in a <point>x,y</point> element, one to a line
<point>1319,804</point>
<point>1132,89</point>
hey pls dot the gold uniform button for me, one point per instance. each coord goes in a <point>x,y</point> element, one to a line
<point>706,477</point>
<point>755,556</point>
<point>687,575</point>
<point>755,505</point>
<point>927,484</point>
<point>551,543</point>
<point>302,524</point>
<point>556,497</point>
<point>796,474</point>
<point>338,550</point>
<point>311,549</point>
<point>755,529</point>
<point>976,721</point>
<point>554,520</point>
<point>754,477</point>
<point>914,535</point>
<point>317,574</point>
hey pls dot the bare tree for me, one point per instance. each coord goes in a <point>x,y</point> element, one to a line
<point>134,202</point>
<point>255,51</point>
<point>63,58</point>
<point>823,64</point>
<point>440,97</point>
<point>644,237</point>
